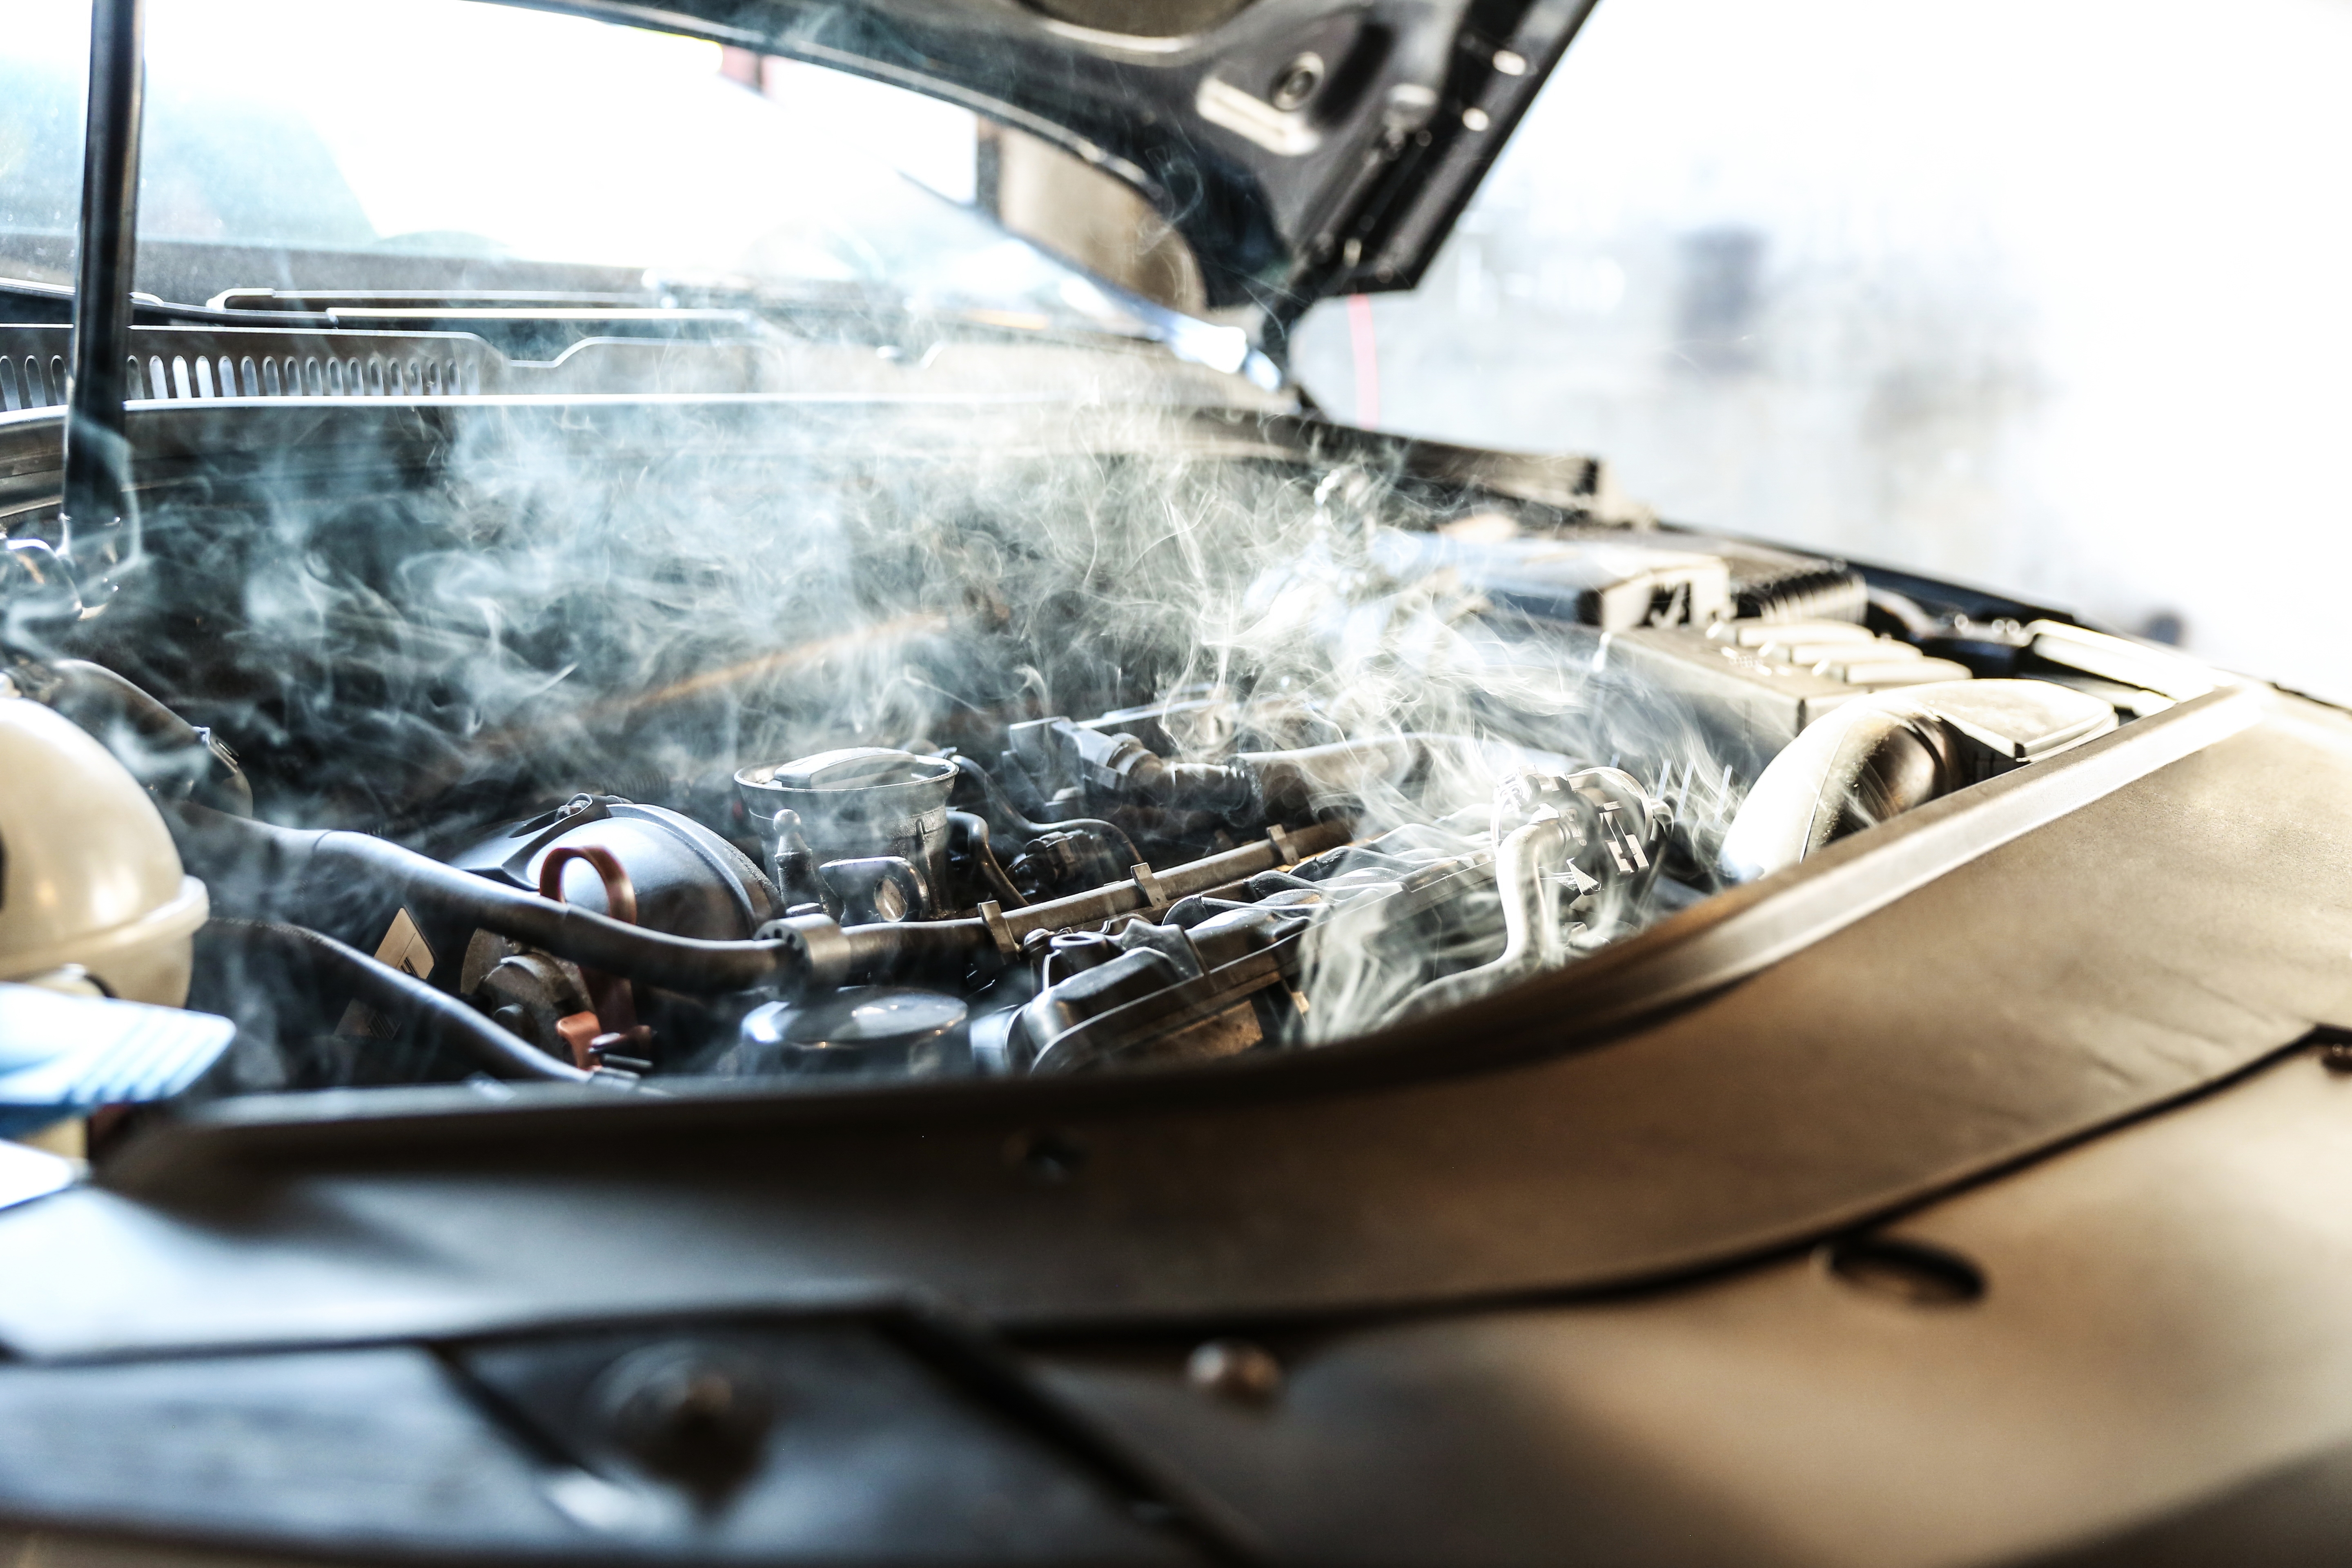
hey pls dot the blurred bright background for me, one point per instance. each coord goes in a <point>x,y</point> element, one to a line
<point>2053,295</point>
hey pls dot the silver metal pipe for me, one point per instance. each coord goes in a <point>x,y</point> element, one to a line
<point>1528,863</point>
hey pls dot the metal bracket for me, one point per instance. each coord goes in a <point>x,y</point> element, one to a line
<point>992,915</point>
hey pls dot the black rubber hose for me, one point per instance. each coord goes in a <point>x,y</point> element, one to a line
<point>238,847</point>
<point>997,808</point>
<point>937,950</point>
<point>438,1016</point>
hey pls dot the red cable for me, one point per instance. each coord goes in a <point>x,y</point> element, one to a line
<point>1368,360</point>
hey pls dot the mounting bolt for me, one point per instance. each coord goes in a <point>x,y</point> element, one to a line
<point>691,1413</point>
<point>1298,81</point>
<point>1237,1369</point>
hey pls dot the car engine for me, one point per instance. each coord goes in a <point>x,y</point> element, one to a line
<point>1366,751</point>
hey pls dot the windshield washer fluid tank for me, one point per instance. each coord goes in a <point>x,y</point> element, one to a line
<point>89,876</point>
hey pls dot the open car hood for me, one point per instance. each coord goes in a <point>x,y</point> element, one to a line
<point>1303,148</point>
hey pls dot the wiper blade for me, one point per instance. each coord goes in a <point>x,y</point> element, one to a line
<point>27,303</point>
<point>324,300</point>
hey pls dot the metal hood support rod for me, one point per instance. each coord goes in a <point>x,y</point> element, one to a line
<point>100,534</point>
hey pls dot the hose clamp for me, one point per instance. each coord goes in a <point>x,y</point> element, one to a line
<point>820,943</point>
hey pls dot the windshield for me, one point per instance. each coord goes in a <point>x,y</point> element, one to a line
<point>449,145</point>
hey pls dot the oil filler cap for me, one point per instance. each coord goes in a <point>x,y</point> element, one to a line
<point>895,1029</point>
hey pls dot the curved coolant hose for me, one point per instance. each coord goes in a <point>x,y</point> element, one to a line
<point>1525,861</point>
<point>215,844</point>
<point>440,1018</point>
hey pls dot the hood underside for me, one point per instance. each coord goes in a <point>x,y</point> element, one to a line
<point>1303,148</point>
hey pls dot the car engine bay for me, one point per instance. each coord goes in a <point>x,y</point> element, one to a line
<point>794,773</point>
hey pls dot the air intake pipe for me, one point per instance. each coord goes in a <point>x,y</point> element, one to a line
<point>1877,757</point>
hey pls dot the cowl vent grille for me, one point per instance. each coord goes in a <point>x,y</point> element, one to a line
<point>178,365</point>
<point>32,380</point>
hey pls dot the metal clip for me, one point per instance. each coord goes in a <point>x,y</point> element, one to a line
<point>992,915</point>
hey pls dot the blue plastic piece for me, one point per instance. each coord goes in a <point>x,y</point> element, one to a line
<point>64,1056</point>
<point>28,1174</point>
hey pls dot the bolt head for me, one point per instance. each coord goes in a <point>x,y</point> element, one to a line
<point>691,1413</point>
<point>1237,1369</point>
<point>1298,81</point>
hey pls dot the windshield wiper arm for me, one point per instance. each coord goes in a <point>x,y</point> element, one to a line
<point>100,526</point>
<point>24,302</point>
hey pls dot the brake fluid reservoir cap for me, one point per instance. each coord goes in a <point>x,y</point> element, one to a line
<point>869,1028</point>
